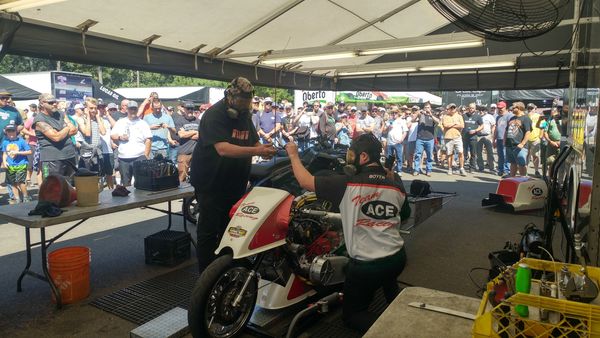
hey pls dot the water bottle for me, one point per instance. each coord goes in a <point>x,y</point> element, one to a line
<point>523,285</point>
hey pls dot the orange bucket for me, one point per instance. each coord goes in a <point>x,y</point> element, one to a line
<point>69,269</point>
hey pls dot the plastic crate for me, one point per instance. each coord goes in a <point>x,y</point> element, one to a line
<point>575,319</point>
<point>167,247</point>
<point>155,175</point>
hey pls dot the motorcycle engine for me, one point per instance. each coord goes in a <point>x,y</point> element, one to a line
<point>315,242</point>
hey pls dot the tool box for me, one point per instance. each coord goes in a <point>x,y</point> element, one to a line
<point>167,247</point>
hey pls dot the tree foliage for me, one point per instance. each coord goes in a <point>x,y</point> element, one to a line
<point>118,78</point>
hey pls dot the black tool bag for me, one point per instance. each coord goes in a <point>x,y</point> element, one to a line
<point>419,188</point>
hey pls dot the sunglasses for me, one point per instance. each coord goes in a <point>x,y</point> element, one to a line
<point>50,102</point>
<point>4,97</point>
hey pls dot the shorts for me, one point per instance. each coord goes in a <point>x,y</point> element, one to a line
<point>183,165</point>
<point>454,145</point>
<point>65,168</point>
<point>534,147</point>
<point>16,175</point>
<point>107,164</point>
<point>515,155</point>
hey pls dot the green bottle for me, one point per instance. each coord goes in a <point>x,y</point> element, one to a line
<point>523,285</point>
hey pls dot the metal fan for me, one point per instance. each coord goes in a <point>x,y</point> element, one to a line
<point>503,20</point>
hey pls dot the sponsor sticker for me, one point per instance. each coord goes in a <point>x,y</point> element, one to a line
<point>237,232</point>
<point>250,210</point>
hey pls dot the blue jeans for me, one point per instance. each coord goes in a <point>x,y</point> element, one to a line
<point>399,150</point>
<point>503,165</point>
<point>173,154</point>
<point>426,145</point>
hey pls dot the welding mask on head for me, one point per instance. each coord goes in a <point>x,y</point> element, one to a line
<point>366,143</point>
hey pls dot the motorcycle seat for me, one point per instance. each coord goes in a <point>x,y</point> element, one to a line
<point>263,169</point>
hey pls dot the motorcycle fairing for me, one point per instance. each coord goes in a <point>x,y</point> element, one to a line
<point>273,296</point>
<point>260,222</point>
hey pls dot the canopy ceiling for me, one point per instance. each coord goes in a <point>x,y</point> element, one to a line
<point>18,91</point>
<point>230,37</point>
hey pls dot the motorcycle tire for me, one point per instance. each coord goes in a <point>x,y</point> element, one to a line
<point>190,209</point>
<point>215,283</point>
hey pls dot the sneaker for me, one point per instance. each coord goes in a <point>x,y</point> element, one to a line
<point>415,173</point>
<point>428,174</point>
<point>27,199</point>
<point>462,172</point>
<point>506,176</point>
<point>450,171</point>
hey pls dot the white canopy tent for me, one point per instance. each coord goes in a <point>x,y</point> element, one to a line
<point>399,45</point>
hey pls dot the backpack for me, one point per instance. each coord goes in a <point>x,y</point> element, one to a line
<point>419,188</point>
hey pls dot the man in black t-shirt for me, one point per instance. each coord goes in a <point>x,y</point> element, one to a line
<point>221,161</point>
<point>186,125</point>
<point>473,125</point>
<point>516,138</point>
<point>425,142</point>
<point>371,202</point>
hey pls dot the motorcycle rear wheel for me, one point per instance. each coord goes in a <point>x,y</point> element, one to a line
<point>211,312</point>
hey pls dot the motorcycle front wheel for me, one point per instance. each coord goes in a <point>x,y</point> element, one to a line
<point>190,209</point>
<point>212,313</point>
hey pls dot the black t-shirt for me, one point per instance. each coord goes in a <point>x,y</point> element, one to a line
<point>212,173</point>
<point>50,150</point>
<point>426,128</point>
<point>517,127</point>
<point>186,145</point>
<point>471,123</point>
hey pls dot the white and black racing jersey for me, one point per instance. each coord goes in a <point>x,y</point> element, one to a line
<point>370,206</point>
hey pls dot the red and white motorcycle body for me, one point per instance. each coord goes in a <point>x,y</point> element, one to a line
<point>260,222</point>
<point>276,251</point>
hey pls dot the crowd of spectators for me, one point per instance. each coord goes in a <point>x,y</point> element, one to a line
<point>108,138</point>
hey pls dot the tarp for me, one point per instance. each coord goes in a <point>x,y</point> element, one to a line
<point>221,49</point>
<point>19,92</point>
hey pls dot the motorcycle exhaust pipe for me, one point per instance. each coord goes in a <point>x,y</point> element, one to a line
<point>322,305</point>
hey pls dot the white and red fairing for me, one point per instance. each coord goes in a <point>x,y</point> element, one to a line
<point>259,222</point>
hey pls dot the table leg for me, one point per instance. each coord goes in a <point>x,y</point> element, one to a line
<point>28,265</point>
<point>55,290</point>
<point>169,213</point>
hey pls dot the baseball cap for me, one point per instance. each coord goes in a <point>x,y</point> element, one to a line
<point>341,103</point>
<point>381,109</point>
<point>132,104</point>
<point>11,126</point>
<point>451,105</point>
<point>268,99</point>
<point>353,108</point>
<point>45,97</point>
<point>493,105</point>
<point>375,109</point>
<point>78,106</point>
<point>501,104</point>
<point>404,107</point>
<point>531,105</point>
<point>189,105</point>
<point>415,108</point>
<point>112,106</point>
<point>101,103</point>
<point>255,99</point>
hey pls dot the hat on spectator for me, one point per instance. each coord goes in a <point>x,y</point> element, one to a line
<point>33,105</point>
<point>112,106</point>
<point>288,106</point>
<point>451,105</point>
<point>404,107</point>
<point>415,108</point>
<point>375,109</point>
<point>78,106</point>
<point>501,104</point>
<point>531,105</point>
<point>11,126</point>
<point>353,108</point>
<point>268,99</point>
<point>101,103</point>
<point>381,109</point>
<point>188,104</point>
<point>132,104</point>
<point>43,97</point>
<point>5,92</point>
<point>493,105</point>
<point>255,99</point>
<point>341,103</point>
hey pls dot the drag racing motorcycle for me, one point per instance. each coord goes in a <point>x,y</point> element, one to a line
<point>281,246</point>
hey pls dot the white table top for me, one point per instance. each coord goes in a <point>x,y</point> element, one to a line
<point>402,320</point>
<point>18,213</point>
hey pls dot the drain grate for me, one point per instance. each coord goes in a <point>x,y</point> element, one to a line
<point>149,299</point>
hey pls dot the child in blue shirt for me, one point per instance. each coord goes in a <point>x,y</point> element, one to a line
<point>14,158</point>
